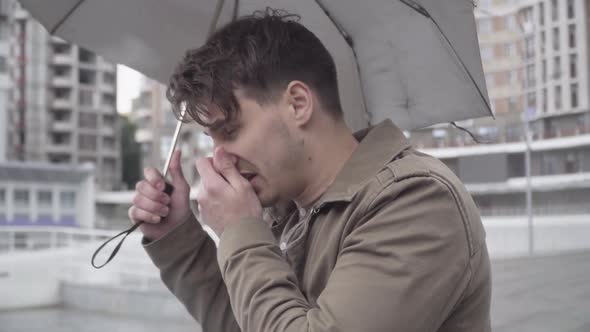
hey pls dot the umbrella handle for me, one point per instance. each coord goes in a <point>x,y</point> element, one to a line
<point>168,190</point>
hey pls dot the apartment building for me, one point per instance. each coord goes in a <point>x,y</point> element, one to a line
<point>155,124</point>
<point>61,103</point>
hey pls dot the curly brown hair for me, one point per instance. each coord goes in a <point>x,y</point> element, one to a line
<point>259,54</point>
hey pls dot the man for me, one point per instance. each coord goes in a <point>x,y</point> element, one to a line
<point>378,236</point>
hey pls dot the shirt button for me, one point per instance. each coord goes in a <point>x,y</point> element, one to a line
<point>302,212</point>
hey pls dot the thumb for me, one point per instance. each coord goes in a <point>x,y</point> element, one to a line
<point>226,165</point>
<point>176,170</point>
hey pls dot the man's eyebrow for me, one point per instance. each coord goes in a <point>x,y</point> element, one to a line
<point>215,126</point>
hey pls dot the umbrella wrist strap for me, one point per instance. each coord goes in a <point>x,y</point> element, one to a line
<point>124,233</point>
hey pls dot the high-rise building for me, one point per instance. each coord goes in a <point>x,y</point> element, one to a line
<point>557,90</point>
<point>5,83</point>
<point>535,59</point>
<point>62,102</point>
<point>155,124</point>
<point>535,56</point>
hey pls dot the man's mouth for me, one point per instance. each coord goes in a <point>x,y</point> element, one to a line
<point>248,176</point>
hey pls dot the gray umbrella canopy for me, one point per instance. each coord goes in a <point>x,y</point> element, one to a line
<point>417,67</point>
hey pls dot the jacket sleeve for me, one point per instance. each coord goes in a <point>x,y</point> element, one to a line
<point>186,257</point>
<point>402,267</point>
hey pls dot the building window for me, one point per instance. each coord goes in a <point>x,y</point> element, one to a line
<point>21,198</point>
<point>571,33</point>
<point>87,120</point>
<point>556,67</point>
<point>570,9</point>
<point>486,53</point>
<point>511,23</point>
<point>3,64</point>
<point>61,93</point>
<point>67,199</point>
<point>509,50</point>
<point>541,13</point>
<point>574,94</point>
<point>572,163</point>
<point>512,104</point>
<point>531,100</point>
<point>530,75</point>
<point>573,65</point>
<point>513,77</point>
<point>108,143</point>
<point>557,97</point>
<point>86,98</point>
<point>544,97</point>
<point>529,48</point>
<point>555,39</point>
<point>542,42</point>
<point>108,78</point>
<point>554,10</point>
<point>2,196</point>
<point>45,198</point>
<point>86,56</point>
<point>87,77</point>
<point>87,142</point>
<point>108,99</point>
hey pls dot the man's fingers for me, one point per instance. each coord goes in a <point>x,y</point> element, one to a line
<point>210,180</point>
<point>154,177</point>
<point>226,165</point>
<point>136,215</point>
<point>146,189</point>
<point>176,169</point>
<point>150,206</point>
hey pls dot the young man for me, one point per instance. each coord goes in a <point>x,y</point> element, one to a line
<point>378,236</point>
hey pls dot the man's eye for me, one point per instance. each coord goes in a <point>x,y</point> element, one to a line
<point>229,132</point>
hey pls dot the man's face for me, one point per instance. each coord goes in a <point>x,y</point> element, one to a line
<point>267,148</point>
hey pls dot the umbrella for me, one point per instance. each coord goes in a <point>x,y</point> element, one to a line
<point>414,61</point>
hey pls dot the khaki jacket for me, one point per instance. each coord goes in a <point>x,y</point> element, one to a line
<point>395,244</point>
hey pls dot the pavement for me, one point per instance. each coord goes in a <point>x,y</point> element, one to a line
<point>540,294</point>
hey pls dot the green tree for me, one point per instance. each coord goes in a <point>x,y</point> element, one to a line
<point>130,153</point>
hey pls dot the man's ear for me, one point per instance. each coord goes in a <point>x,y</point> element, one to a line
<point>301,103</point>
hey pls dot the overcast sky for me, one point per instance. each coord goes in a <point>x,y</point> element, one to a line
<point>127,87</point>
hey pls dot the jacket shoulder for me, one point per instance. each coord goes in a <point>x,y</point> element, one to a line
<point>411,167</point>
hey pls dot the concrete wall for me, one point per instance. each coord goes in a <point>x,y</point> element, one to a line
<point>158,302</point>
<point>29,279</point>
<point>484,168</point>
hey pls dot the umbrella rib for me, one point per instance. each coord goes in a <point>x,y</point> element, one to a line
<point>421,10</point>
<point>63,19</point>
<point>350,43</point>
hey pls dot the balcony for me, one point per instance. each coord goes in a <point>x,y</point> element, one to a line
<point>107,131</point>
<point>62,126</point>
<point>61,149</point>
<point>65,81</point>
<point>106,66</point>
<point>458,141</point>
<point>107,87</point>
<point>62,59</point>
<point>62,103</point>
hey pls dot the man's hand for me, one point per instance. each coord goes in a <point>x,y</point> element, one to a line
<point>225,197</point>
<point>159,211</point>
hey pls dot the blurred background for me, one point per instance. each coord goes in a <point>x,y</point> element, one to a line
<point>76,132</point>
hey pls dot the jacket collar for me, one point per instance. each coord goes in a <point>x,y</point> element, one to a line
<point>378,145</point>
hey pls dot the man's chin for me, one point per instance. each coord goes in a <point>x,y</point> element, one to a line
<point>266,201</point>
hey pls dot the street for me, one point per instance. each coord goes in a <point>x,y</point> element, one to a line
<point>542,294</point>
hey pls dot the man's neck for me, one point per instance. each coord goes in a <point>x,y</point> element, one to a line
<point>325,162</point>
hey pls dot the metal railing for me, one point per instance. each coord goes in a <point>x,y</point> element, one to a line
<point>132,268</point>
